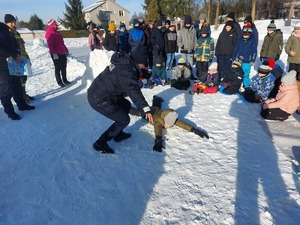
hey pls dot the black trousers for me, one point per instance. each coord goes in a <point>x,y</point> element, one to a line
<point>274,114</point>
<point>60,66</point>
<point>115,109</point>
<point>202,67</point>
<point>6,91</point>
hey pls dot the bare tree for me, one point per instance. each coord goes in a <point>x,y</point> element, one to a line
<point>253,12</point>
<point>209,11</point>
<point>291,13</point>
<point>217,15</point>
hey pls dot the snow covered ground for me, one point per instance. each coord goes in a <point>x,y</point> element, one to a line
<point>51,175</point>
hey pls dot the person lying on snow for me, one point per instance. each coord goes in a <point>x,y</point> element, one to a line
<point>166,119</point>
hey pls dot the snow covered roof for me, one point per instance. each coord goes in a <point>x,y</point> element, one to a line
<point>93,6</point>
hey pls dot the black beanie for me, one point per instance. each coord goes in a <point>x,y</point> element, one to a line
<point>9,18</point>
<point>231,15</point>
<point>248,19</point>
<point>168,22</point>
<point>187,20</point>
<point>158,23</point>
<point>229,23</point>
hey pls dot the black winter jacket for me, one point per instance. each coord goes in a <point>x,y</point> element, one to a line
<point>118,80</point>
<point>170,41</point>
<point>226,43</point>
<point>157,40</point>
<point>8,45</point>
<point>110,42</point>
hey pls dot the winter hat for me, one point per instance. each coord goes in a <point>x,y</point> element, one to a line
<point>158,23</point>
<point>231,15</point>
<point>135,22</point>
<point>181,61</point>
<point>271,63</point>
<point>9,18</point>
<point>229,23</point>
<point>204,30</point>
<point>247,30</point>
<point>122,26</point>
<point>51,23</point>
<point>168,22</point>
<point>159,60</point>
<point>248,19</point>
<point>202,16</point>
<point>171,118</point>
<point>111,27</point>
<point>297,26</point>
<point>237,63</point>
<point>187,20</point>
<point>213,66</point>
<point>271,26</point>
<point>289,78</point>
<point>264,68</point>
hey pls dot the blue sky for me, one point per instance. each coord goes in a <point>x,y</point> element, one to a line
<point>46,9</point>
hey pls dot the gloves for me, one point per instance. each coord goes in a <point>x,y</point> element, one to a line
<point>158,144</point>
<point>55,56</point>
<point>210,60</point>
<point>277,57</point>
<point>199,133</point>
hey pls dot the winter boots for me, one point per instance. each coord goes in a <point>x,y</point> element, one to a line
<point>13,116</point>
<point>102,146</point>
<point>26,107</point>
<point>122,136</point>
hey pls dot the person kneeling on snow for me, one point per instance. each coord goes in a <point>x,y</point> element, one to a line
<point>208,81</point>
<point>166,119</point>
<point>263,84</point>
<point>233,81</point>
<point>286,101</point>
<point>181,76</point>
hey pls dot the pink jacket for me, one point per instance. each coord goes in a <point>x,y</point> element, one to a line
<point>55,41</point>
<point>287,99</point>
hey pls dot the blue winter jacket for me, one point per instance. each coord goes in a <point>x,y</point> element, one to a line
<point>246,48</point>
<point>263,85</point>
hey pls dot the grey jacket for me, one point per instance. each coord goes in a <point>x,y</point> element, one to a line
<point>186,39</point>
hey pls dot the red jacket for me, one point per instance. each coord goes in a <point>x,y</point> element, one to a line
<point>55,41</point>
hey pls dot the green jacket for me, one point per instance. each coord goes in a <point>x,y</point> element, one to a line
<point>293,43</point>
<point>159,115</point>
<point>272,45</point>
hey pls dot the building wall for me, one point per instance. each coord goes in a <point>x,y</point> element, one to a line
<point>111,13</point>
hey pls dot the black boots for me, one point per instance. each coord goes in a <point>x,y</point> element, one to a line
<point>102,146</point>
<point>13,116</point>
<point>122,136</point>
<point>26,107</point>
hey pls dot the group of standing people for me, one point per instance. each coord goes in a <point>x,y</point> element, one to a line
<point>12,85</point>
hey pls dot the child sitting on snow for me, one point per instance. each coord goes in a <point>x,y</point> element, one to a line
<point>264,82</point>
<point>208,81</point>
<point>166,119</point>
<point>181,76</point>
<point>233,81</point>
<point>286,101</point>
<point>159,72</point>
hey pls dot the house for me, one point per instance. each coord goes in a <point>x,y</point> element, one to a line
<point>102,12</point>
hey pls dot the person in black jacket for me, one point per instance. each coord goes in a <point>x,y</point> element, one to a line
<point>225,47</point>
<point>157,40</point>
<point>110,41</point>
<point>170,46</point>
<point>107,94</point>
<point>8,48</point>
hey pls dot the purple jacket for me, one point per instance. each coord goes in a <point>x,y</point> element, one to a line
<point>55,41</point>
